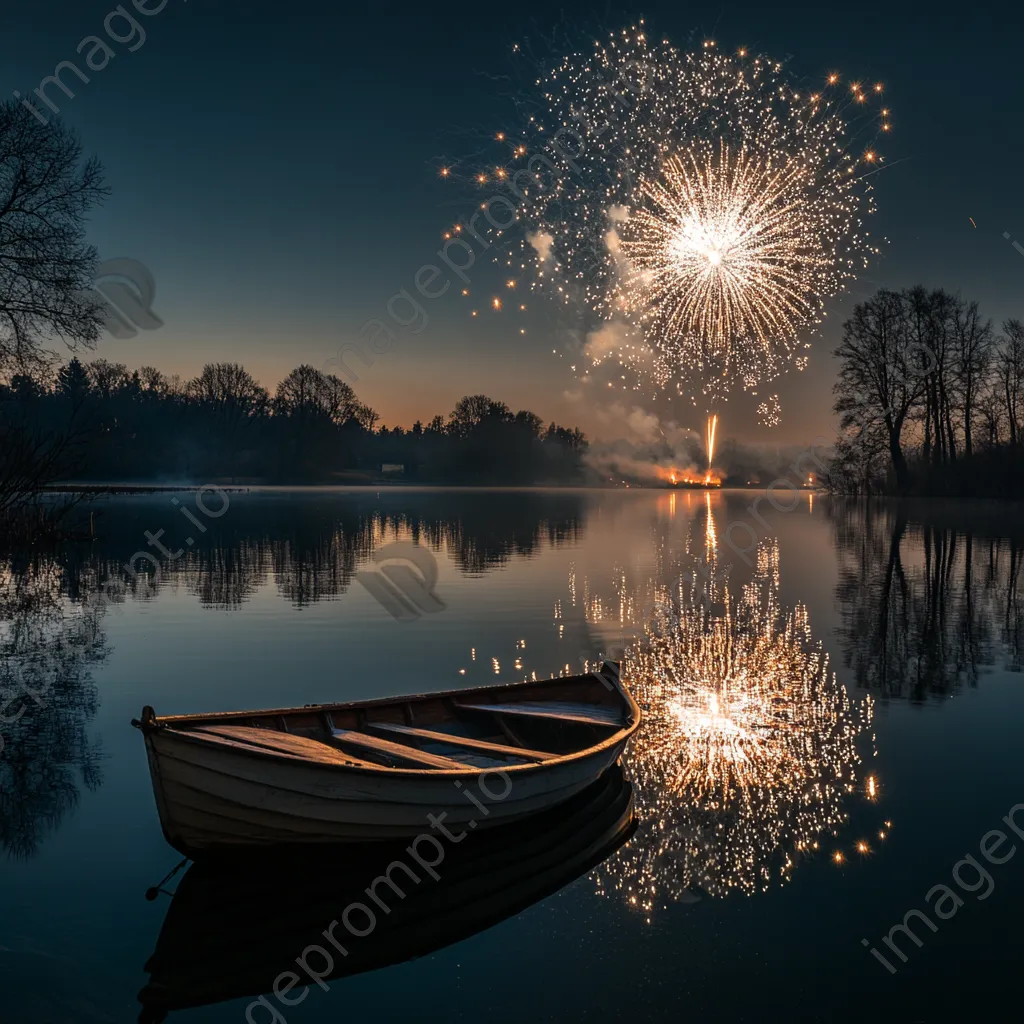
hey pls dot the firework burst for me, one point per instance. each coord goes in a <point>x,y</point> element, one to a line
<point>705,203</point>
<point>724,259</point>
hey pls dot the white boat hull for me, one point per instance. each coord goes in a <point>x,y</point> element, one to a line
<point>212,798</point>
<point>214,789</point>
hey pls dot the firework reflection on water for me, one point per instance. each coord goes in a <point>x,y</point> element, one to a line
<point>747,758</point>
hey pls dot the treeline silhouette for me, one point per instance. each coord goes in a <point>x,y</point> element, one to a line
<point>107,423</point>
<point>931,398</point>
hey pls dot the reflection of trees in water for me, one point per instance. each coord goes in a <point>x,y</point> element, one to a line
<point>48,646</point>
<point>313,546</point>
<point>488,530</point>
<point>924,606</point>
<point>1012,613</point>
<point>312,569</point>
<point>226,577</point>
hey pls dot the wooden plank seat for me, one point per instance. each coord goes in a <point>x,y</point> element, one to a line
<point>501,750</point>
<point>590,714</point>
<point>281,743</point>
<point>406,756</point>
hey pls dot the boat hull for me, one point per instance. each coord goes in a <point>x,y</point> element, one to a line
<point>209,799</point>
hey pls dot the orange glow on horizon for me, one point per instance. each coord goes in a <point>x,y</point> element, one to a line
<point>689,477</point>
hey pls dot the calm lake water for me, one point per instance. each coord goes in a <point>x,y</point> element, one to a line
<point>833,720</point>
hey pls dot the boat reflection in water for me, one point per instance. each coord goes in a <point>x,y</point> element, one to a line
<point>234,926</point>
<point>747,755</point>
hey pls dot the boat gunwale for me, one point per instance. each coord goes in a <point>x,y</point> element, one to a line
<point>157,724</point>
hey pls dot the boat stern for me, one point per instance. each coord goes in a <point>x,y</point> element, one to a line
<point>149,726</point>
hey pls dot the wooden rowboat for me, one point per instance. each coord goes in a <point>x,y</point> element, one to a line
<point>383,769</point>
<point>235,925</point>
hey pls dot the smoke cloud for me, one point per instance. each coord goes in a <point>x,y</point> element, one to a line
<point>542,242</point>
<point>650,449</point>
<point>608,338</point>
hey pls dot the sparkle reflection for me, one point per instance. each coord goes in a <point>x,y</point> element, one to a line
<point>747,758</point>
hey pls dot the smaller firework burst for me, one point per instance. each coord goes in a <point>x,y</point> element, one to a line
<point>769,412</point>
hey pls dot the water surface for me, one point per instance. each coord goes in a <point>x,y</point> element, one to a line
<point>833,711</point>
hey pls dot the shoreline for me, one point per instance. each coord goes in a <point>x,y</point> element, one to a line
<point>121,489</point>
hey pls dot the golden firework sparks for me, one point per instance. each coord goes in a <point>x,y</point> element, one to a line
<point>712,427</point>
<point>725,207</point>
<point>727,261</point>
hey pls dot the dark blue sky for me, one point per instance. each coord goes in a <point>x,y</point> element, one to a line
<point>275,167</point>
